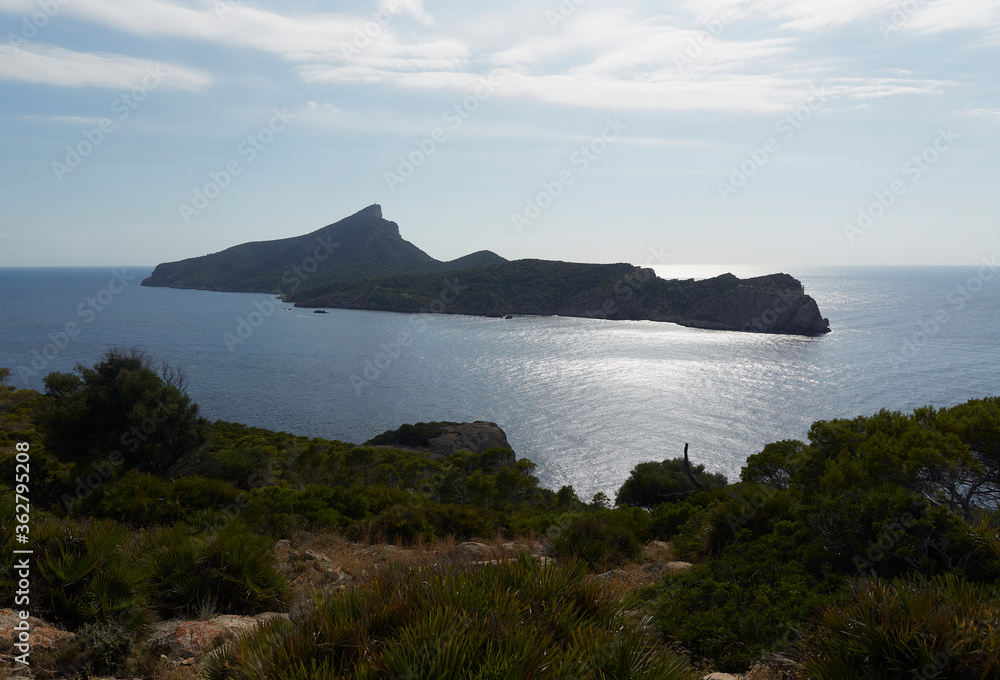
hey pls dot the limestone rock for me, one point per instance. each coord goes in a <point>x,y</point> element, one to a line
<point>471,551</point>
<point>444,439</point>
<point>181,640</point>
<point>44,636</point>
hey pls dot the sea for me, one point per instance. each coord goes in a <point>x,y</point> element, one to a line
<point>585,399</point>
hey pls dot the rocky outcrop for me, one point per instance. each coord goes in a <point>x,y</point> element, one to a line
<point>768,304</point>
<point>444,439</point>
<point>776,303</point>
<point>182,640</point>
<point>477,437</point>
<point>307,570</point>
<point>43,636</point>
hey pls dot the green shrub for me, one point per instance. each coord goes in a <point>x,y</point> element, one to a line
<point>463,521</point>
<point>194,494</point>
<point>775,465</point>
<point>650,484</point>
<point>246,468</point>
<point>222,564</point>
<point>135,498</point>
<point>89,574</point>
<point>398,523</point>
<point>121,405</point>
<point>604,538</point>
<point>890,531</point>
<point>513,620</point>
<point>667,519</point>
<point>749,507</point>
<point>751,600</point>
<point>943,628</point>
<point>99,648</point>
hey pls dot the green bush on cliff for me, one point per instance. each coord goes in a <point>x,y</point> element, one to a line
<point>650,484</point>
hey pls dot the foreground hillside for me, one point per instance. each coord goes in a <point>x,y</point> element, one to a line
<point>166,546</point>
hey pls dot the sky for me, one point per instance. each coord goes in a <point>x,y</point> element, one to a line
<point>799,132</point>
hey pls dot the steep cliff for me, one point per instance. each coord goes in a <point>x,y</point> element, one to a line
<point>444,439</point>
<point>768,304</point>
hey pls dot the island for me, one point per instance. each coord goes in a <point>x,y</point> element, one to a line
<point>362,262</point>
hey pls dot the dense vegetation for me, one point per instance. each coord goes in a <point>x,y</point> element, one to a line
<point>870,550</point>
<point>607,291</point>
<point>512,620</point>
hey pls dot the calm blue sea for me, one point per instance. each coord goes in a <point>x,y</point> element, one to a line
<point>585,399</point>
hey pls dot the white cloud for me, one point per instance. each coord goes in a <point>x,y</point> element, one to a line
<point>606,57</point>
<point>239,24</point>
<point>953,15</point>
<point>929,16</point>
<point>813,15</point>
<point>76,120</point>
<point>50,65</point>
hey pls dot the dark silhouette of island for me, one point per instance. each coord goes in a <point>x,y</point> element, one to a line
<point>362,262</point>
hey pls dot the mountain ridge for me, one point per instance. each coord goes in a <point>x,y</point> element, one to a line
<point>362,245</point>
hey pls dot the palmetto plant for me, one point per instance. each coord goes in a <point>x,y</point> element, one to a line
<point>90,576</point>
<point>221,562</point>
<point>942,628</point>
<point>514,619</point>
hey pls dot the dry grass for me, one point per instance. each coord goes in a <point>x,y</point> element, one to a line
<point>357,559</point>
<point>650,569</point>
<point>765,671</point>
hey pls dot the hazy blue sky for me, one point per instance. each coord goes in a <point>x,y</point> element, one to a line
<point>708,131</point>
